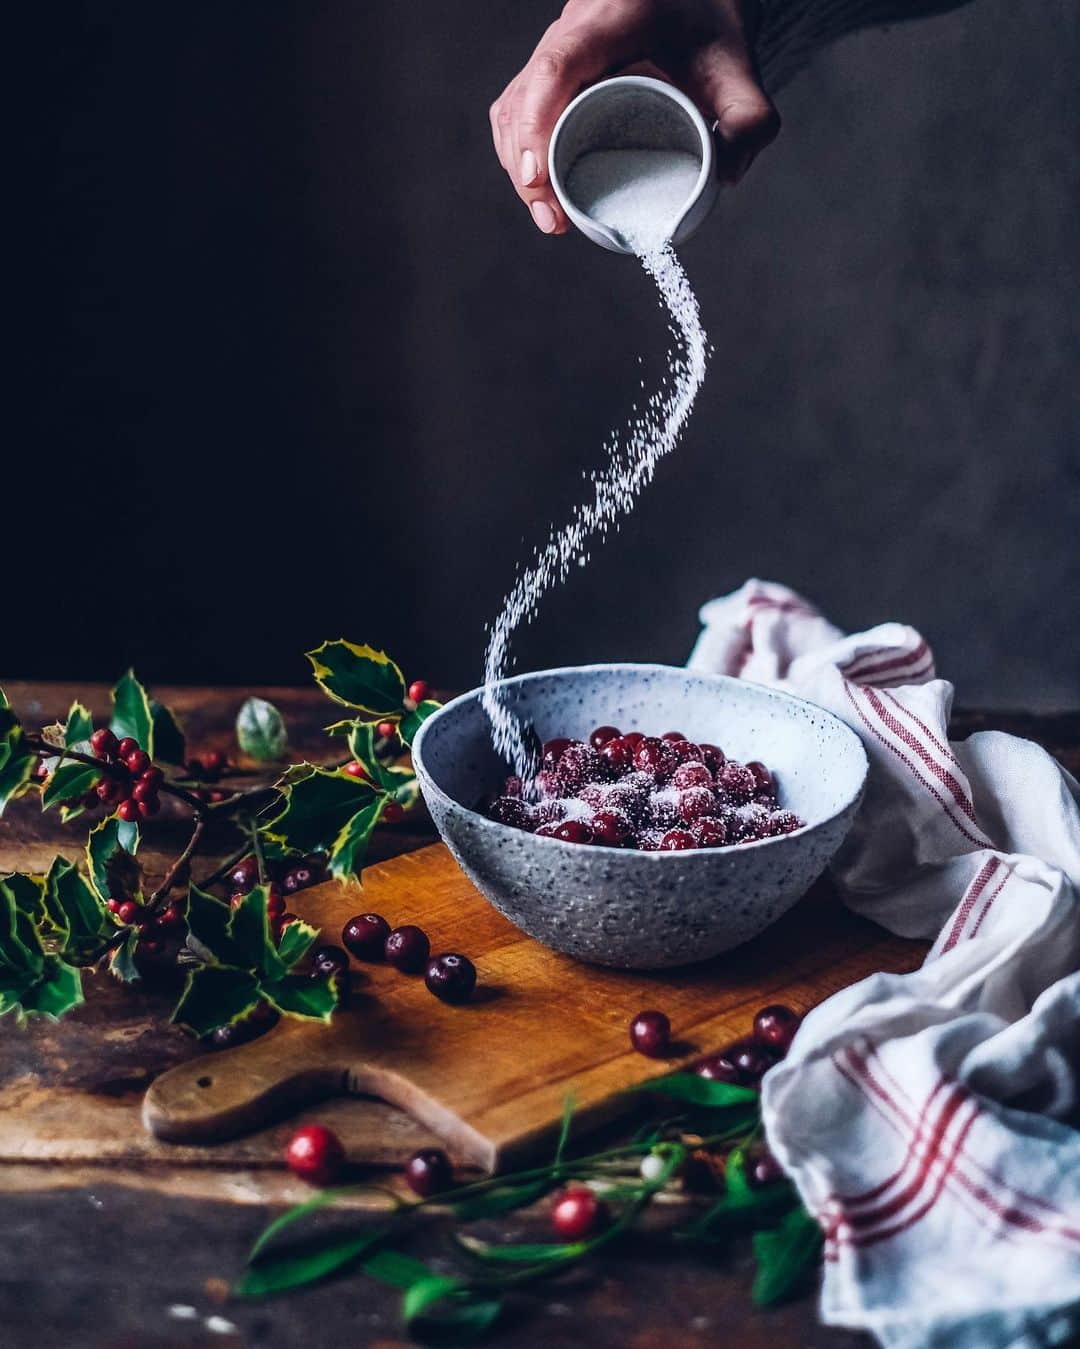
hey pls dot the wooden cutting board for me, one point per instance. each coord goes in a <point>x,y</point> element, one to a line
<point>491,1077</point>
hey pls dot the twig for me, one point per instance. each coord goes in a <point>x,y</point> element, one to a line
<point>224,869</point>
<point>173,872</point>
<point>41,746</point>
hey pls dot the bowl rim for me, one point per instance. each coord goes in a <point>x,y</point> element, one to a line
<point>645,667</point>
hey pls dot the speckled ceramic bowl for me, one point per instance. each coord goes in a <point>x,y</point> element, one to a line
<point>644,910</point>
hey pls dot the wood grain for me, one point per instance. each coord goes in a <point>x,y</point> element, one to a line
<point>491,1077</point>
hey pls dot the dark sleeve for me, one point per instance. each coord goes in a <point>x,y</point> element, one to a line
<point>793,30</point>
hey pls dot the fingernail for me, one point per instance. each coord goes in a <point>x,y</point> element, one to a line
<point>530,169</point>
<point>544,216</point>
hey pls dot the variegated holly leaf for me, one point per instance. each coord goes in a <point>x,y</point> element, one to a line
<point>69,781</point>
<point>76,912</point>
<point>131,712</point>
<point>167,737</point>
<point>110,859</point>
<point>214,996</point>
<point>300,996</point>
<point>79,728</point>
<point>16,761</point>
<point>360,677</point>
<point>412,720</point>
<point>31,981</point>
<point>349,850</point>
<point>318,806</point>
<point>122,959</point>
<point>362,737</point>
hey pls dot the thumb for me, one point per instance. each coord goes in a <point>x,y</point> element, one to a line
<point>726,84</point>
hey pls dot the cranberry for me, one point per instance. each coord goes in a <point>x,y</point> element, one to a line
<point>650,1033</point>
<point>552,751</point>
<point>775,1026</point>
<point>579,764</point>
<point>387,729</point>
<point>128,911</point>
<point>709,832</point>
<point>126,746</point>
<point>128,811</point>
<point>673,735</point>
<point>572,831</point>
<point>547,784</point>
<point>763,779</point>
<point>662,812</point>
<point>736,781</point>
<point>648,840</point>
<point>783,822</point>
<point>547,830</point>
<point>297,879</point>
<point>686,751</point>
<point>610,828</point>
<point>245,874</point>
<point>393,812</point>
<point>719,1068</point>
<point>677,840</point>
<point>418,690</point>
<point>148,808</point>
<point>428,1172</point>
<point>407,949</point>
<point>713,757</point>
<point>104,743</point>
<point>329,960</point>
<point>764,1169</point>
<point>365,936</point>
<point>655,757</point>
<point>315,1154</point>
<point>275,902</point>
<point>693,774</point>
<point>451,977</point>
<point>355,769</point>
<point>602,735</point>
<point>696,803</point>
<point>618,755</point>
<point>512,811</point>
<point>752,1061</point>
<point>578,1214</point>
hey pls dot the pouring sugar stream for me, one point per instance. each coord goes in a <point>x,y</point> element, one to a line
<point>632,164</point>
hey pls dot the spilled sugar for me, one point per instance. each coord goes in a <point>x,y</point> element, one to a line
<point>640,194</point>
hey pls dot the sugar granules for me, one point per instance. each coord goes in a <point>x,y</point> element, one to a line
<point>639,194</point>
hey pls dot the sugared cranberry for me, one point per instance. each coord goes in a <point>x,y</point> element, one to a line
<point>365,936</point>
<point>677,840</point>
<point>752,1061</point>
<point>451,977</point>
<point>128,811</point>
<point>418,690</point>
<point>393,812</point>
<point>763,1169</point>
<point>578,765</point>
<point>691,775</point>
<point>355,769</point>
<point>128,911</point>
<point>763,779</point>
<point>546,830</point>
<point>634,738</point>
<point>329,960</point>
<point>618,756</point>
<point>713,757</point>
<point>736,781</point>
<point>611,828</point>
<point>552,751</point>
<point>407,949</point>
<point>104,743</point>
<point>655,757</point>
<point>578,1214</point>
<point>783,822</point>
<point>315,1154</point>
<point>126,746</point>
<point>600,737</point>
<point>572,831</point>
<point>709,832</point>
<point>650,1033</point>
<point>686,751</point>
<point>775,1026</point>
<point>673,735</point>
<point>696,803</point>
<point>662,811</point>
<point>719,1068</point>
<point>648,840</point>
<point>428,1172</point>
<point>511,810</point>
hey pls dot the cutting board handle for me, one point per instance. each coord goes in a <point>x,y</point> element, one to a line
<point>224,1094</point>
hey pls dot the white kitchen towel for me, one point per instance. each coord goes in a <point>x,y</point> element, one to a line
<point>924,1117</point>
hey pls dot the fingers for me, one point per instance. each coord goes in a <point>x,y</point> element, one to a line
<point>723,80</point>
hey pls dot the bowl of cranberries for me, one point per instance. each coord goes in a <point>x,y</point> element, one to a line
<point>668,816</point>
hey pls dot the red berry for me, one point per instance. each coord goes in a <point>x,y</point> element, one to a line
<point>696,803</point>
<point>407,949</point>
<point>128,811</point>
<point>114,905</point>
<point>650,1033</point>
<point>217,794</point>
<point>428,1172</point>
<point>783,822</point>
<point>451,977</point>
<point>512,811</point>
<point>735,781</point>
<point>552,751</point>
<point>109,791</point>
<point>213,763</point>
<point>713,757</point>
<point>329,960</point>
<point>610,828</point>
<point>418,690</point>
<point>752,1061</point>
<point>126,746</point>
<point>618,755</point>
<point>138,761</point>
<point>128,911</point>
<point>149,946</point>
<point>692,775</point>
<point>764,1169</point>
<point>572,831</point>
<point>655,757</point>
<point>365,936</point>
<point>148,808</point>
<point>355,769</point>
<point>673,735</point>
<point>763,779</point>
<point>709,832</point>
<point>600,737</point>
<point>677,840</point>
<point>315,1154</point>
<point>170,917</point>
<point>152,777</point>
<point>578,1214</point>
<point>387,729</point>
<point>578,765</point>
<point>775,1026</point>
<point>633,738</point>
<point>245,874</point>
<point>104,743</point>
<point>719,1068</point>
<point>144,791</point>
<point>393,812</point>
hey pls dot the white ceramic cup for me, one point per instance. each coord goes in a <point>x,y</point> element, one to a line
<point>632,112</point>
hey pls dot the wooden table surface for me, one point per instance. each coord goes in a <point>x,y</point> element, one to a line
<point>111,1240</point>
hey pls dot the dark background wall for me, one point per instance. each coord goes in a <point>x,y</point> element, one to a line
<point>294,363</point>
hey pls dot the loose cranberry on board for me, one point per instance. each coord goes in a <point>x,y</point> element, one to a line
<point>315,1154</point>
<point>451,977</point>
<point>407,948</point>
<point>428,1172</point>
<point>775,1027</point>
<point>365,936</point>
<point>650,1034</point>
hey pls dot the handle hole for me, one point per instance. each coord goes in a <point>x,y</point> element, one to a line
<point>204,1081</point>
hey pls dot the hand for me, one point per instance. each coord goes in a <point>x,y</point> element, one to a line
<point>703,46</point>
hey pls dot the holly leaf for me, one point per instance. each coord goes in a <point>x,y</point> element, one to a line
<point>215,996</point>
<point>297,938</point>
<point>56,992</point>
<point>16,762</point>
<point>113,870</point>
<point>166,735</point>
<point>122,959</point>
<point>131,712</point>
<point>27,893</point>
<point>22,956</point>
<point>208,929</point>
<point>411,722</point>
<point>79,727</point>
<point>297,995</point>
<point>318,806</point>
<point>785,1256</point>
<point>260,730</point>
<point>76,911</point>
<point>69,782</point>
<point>251,936</point>
<point>360,677</point>
<point>362,747</point>
<point>349,849</point>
